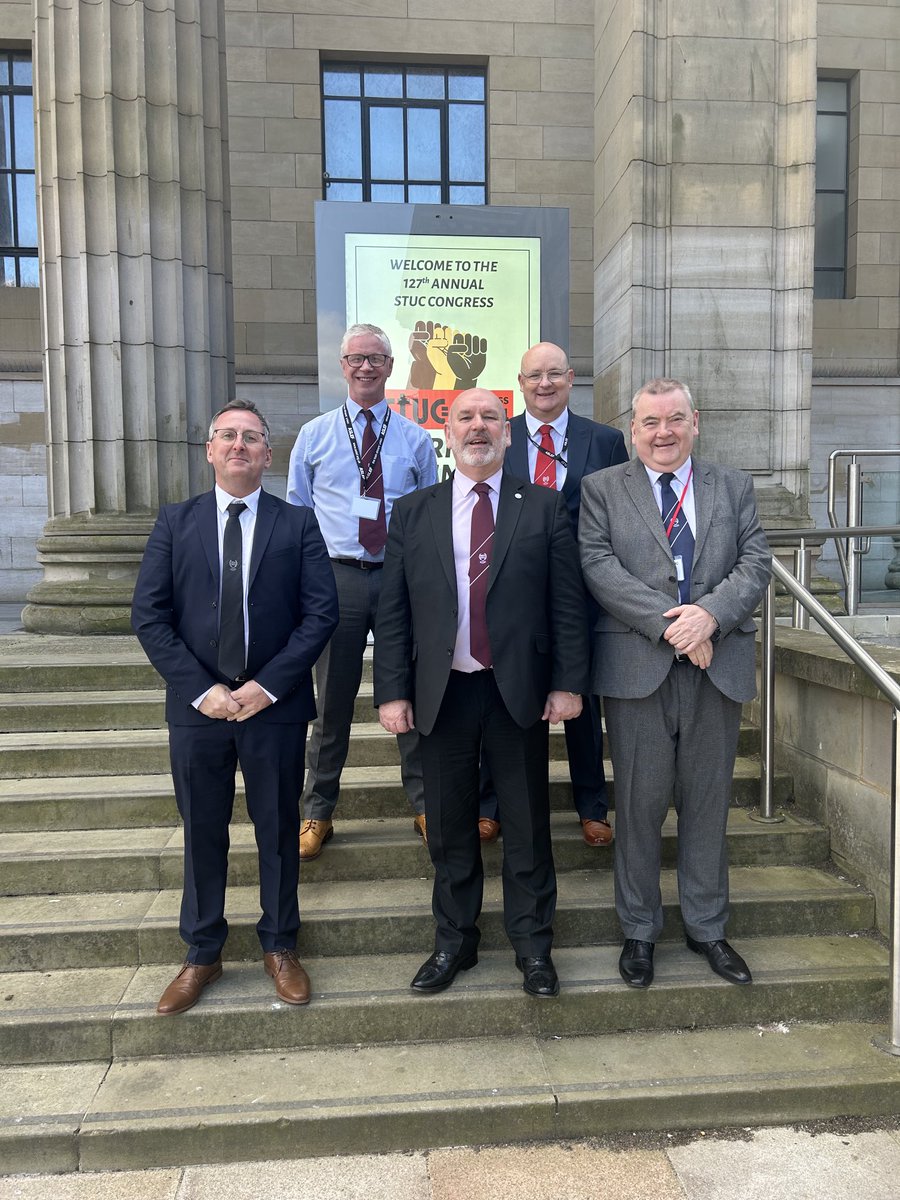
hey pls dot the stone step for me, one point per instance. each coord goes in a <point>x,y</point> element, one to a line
<point>141,799</point>
<point>51,754</point>
<point>111,860</point>
<point>68,711</point>
<point>374,917</point>
<point>253,1105</point>
<point>82,1014</point>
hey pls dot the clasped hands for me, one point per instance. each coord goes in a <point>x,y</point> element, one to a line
<point>691,632</point>
<point>244,702</point>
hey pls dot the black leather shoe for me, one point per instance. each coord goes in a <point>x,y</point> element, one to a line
<point>439,971</point>
<point>540,978</point>
<point>636,963</point>
<point>723,959</point>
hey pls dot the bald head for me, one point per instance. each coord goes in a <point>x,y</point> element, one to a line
<point>546,380</point>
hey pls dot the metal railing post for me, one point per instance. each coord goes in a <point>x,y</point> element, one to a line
<point>891,1043</point>
<point>766,811</point>
<point>854,503</point>
<point>802,565</point>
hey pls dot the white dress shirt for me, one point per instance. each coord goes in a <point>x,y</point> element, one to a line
<point>683,486</point>
<point>558,427</point>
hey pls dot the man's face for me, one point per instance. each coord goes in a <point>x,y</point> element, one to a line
<point>663,430</point>
<point>365,383</point>
<point>238,466</point>
<point>477,433</point>
<point>546,381</point>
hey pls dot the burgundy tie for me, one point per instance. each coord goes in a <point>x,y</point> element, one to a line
<point>545,463</point>
<point>482,538</point>
<point>372,534</point>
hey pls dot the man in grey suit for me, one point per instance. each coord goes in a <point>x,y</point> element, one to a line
<point>672,550</point>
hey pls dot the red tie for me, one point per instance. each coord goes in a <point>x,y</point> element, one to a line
<point>545,463</point>
<point>482,537</point>
<point>372,534</point>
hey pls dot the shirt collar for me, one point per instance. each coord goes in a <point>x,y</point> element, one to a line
<point>682,475</point>
<point>223,500</point>
<point>464,484</point>
<point>377,410</point>
<point>561,424</point>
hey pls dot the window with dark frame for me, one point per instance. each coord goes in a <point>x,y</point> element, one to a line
<point>410,134</point>
<point>18,204</point>
<point>832,154</point>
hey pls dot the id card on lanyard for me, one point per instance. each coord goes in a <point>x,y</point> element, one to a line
<point>677,558</point>
<point>367,507</point>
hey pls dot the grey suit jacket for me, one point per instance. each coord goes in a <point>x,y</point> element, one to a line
<point>627,564</point>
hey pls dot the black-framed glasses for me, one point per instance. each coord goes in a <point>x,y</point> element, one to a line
<point>357,360</point>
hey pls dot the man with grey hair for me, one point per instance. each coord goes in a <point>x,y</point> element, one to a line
<point>672,550</point>
<point>350,465</point>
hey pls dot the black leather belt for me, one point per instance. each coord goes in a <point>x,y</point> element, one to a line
<point>684,661</point>
<point>361,564</point>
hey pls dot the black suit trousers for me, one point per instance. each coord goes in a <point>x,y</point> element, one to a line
<point>472,721</point>
<point>204,759</point>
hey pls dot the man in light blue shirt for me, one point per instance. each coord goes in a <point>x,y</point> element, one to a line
<point>350,465</point>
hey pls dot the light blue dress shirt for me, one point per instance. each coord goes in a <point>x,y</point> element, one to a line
<point>323,473</point>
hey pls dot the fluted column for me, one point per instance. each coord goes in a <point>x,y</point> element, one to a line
<point>135,245</point>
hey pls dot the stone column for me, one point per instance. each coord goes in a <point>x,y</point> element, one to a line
<point>132,165</point>
<point>705,186</point>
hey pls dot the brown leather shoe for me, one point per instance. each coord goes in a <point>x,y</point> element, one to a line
<point>420,827</point>
<point>184,990</point>
<point>313,836</point>
<point>291,981</point>
<point>488,830</point>
<point>597,833</point>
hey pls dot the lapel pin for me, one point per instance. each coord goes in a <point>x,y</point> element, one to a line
<point>518,495</point>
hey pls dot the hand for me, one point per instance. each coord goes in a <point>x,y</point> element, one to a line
<point>444,375</point>
<point>396,716</point>
<point>218,704</point>
<point>251,698</point>
<point>561,706</point>
<point>466,357</point>
<point>701,656</point>
<point>690,626</point>
<point>421,372</point>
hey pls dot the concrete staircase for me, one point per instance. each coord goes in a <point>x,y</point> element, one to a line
<point>90,867</point>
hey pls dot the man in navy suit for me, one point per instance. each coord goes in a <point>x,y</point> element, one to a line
<point>236,647</point>
<point>556,448</point>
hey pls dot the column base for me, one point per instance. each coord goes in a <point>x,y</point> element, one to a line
<point>90,564</point>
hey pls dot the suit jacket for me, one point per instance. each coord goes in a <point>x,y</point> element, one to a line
<point>591,447</point>
<point>535,603</point>
<point>628,567</point>
<point>291,598</point>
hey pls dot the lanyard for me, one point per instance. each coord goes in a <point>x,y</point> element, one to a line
<point>677,508</point>
<point>556,457</point>
<point>365,474</point>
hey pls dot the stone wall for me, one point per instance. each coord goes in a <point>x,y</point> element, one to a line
<point>833,733</point>
<point>23,484</point>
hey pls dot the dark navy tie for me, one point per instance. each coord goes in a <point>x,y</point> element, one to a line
<point>679,533</point>
<point>232,653</point>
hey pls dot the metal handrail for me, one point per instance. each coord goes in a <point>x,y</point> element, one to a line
<point>884,683</point>
<point>849,555</point>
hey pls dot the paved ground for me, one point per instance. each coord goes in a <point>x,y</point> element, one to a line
<point>840,1162</point>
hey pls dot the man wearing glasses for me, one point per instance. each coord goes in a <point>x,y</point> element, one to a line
<point>350,465</point>
<point>233,603</point>
<point>555,448</point>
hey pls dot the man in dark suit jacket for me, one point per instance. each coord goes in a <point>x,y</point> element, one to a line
<point>672,549</point>
<point>484,674</point>
<point>274,606</point>
<point>576,448</point>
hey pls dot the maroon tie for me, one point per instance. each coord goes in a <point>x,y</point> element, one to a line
<point>372,534</point>
<point>545,463</point>
<point>480,544</point>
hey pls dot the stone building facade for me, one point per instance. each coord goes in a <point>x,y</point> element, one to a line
<point>179,150</point>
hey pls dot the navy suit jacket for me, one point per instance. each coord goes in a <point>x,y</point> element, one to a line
<point>291,598</point>
<point>591,447</point>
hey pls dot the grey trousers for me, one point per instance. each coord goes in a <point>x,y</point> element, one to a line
<point>338,676</point>
<point>676,746</point>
